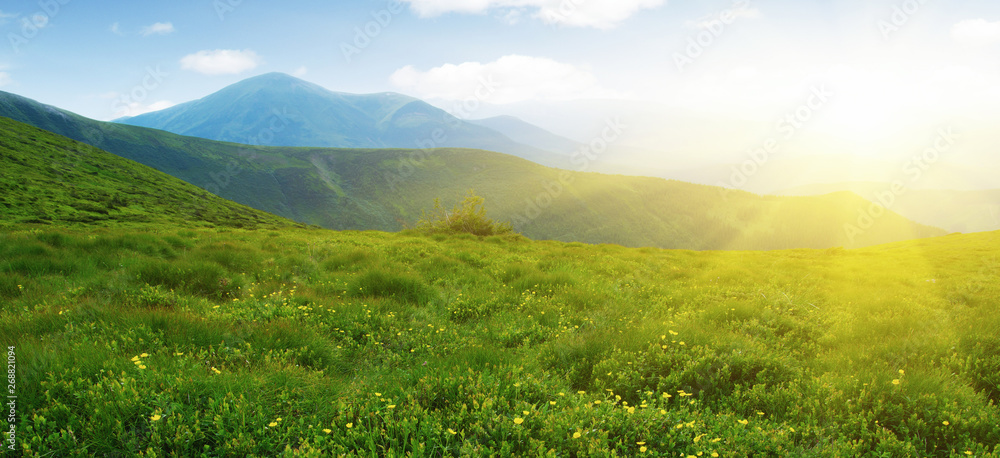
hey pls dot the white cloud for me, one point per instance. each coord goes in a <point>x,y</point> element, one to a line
<point>117,29</point>
<point>507,80</point>
<point>300,72</point>
<point>976,32</point>
<point>136,108</point>
<point>160,28</point>
<point>5,17</point>
<point>601,14</point>
<point>221,61</point>
<point>5,79</point>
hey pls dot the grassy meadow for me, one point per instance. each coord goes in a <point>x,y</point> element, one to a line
<point>172,341</point>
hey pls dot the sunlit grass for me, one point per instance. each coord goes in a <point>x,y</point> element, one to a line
<point>302,342</point>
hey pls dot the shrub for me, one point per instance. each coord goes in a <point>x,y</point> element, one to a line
<point>468,217</point>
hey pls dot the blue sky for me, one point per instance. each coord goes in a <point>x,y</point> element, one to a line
<point>891,62</point>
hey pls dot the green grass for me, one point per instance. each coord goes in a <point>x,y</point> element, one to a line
<point>52,180</point>
<point>370,343</point>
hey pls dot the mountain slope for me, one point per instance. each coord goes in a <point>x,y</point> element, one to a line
<point>49,179</point>
<point>382,189</point>
<point>529,134</point>
<point>279,110</point>
<point>957,211</point>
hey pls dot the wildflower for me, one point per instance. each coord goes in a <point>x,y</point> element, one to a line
<point>581,392</point>
<point>216,370</point>
<point>452,431</point>
<point>760,413</point>
<point>552,403</point>
<point>272,424</point>
<point>642,449</point>
<point>350,425</point>
<point>526,413</point>
<point>391,406</point>
<point>142,366</point>
<point>135,359</point>
<point>663,412</point>
<point>743,422</point>
<point>640,443</point>
<point>155,417</point>
<point>715,455</point>
<point>901,372</point>
<point>378,395</point>
<point>328,431</point>
<point>895,381</point>
<point>945,423</point>
<point>144,355</point>
<point>518,421</point>
<point>179,354</point>
<point>576,435</point>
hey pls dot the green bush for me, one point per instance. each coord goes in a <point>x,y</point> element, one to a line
<point>468,217</point>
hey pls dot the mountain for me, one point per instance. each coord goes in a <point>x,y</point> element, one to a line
<point>276,109</point>
<point>956,211</point>
<point>382,189</point>
<point>50,179</point>
<point>529,134</point>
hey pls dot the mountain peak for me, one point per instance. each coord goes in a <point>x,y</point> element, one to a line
<point>310,115</point>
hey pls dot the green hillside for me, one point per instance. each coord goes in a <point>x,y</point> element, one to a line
<point>49,179</point>
<point>146,331</point>
<point>957,211</point>
<point>211,342</point>
<point>384,189</point>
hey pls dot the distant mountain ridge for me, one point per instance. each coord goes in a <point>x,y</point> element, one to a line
<point>953,210</point>
<point>276,109</point>
<point>382,189</point>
